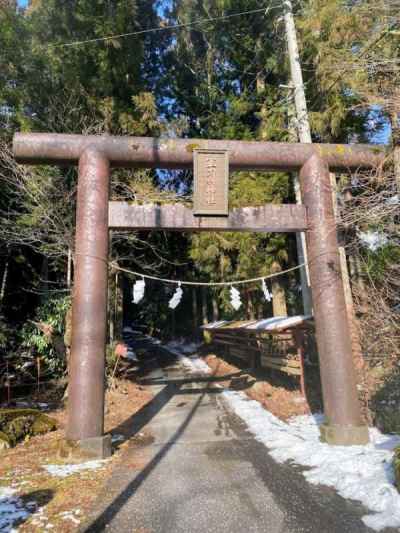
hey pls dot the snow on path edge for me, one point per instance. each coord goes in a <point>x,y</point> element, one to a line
<point>362,473</point>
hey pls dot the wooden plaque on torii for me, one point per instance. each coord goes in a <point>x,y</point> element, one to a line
<point>211,178</point>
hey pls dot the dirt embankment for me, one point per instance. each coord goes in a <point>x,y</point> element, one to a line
<point>61,503</point>
<point>279,394</point>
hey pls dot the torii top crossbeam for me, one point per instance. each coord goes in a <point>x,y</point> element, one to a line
<point>149,152</point>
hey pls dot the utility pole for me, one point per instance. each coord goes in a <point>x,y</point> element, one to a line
<point>304,135</point>
<point>303,125</point>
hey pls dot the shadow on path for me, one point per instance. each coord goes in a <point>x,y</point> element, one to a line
<point>100,523</point>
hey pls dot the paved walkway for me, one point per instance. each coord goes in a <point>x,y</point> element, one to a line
<point>204,473</point>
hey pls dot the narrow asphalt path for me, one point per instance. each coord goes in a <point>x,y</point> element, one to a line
<point>203,472</point>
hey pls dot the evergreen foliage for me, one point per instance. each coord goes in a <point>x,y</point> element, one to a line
<point>224,79</point>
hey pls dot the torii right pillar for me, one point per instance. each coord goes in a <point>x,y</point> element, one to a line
<point>343,421</point>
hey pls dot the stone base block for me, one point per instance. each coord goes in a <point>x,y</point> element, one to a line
<point>86,449</point>
<point>98,447</point>
<point>344,435</point>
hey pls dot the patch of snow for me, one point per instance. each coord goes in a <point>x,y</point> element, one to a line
<point>373,240</point>
<point>39,518</point>
<point>117,438</point>
<point>131,355</point>
<point>12,509</point>
<point>393,200</point>
<point>362,473</point>
<point>68,470</point>
<point>194,363</point>
<point>27,364</point>
<point>69,515</point>
<point>183,347</point>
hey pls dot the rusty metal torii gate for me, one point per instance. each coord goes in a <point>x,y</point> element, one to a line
<point>96,215</point>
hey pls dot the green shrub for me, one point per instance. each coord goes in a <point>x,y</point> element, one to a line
<point>51,312</point>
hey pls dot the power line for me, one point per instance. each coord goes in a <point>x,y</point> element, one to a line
<point>160,28</point>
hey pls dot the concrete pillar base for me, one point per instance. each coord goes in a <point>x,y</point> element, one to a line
<point>98,447</point>
<point>344,435</point>
<point>86,449</point>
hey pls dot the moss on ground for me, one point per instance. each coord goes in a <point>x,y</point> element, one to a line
<point>396,465</point>
<point>17,424</point>
<point>5,442</point>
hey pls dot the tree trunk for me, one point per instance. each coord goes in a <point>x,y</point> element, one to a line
<point>351,316</point>
<point>394,120</point>
<point>215,310</point>
<point>279,307</point>
<point>173,323</point>
<point>396,161</point>
<point>115,307</point>
<point>355,270</point>
<point>195,311</point>
<point>44,279</point>
<point>69,268</point>
<point>356,277</point>
<point>204,313</point>
<point>4,282</point>
<point>118,306</point>
<point>110,299</point>
<point>250,307</point>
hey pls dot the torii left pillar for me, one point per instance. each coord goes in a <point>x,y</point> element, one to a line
<point>85,426</point>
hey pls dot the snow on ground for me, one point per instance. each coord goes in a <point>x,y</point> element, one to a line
<point>190,361</point>
<point>67,470</point>
<point>71,515</point>
<point>117,438</point>
<point>183,346</point>
<point>195,363</point>
<point>373,240</point>
<point>12,509</point>
<point>362,473</point>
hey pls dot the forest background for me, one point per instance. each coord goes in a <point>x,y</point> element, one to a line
<point>228,78</point>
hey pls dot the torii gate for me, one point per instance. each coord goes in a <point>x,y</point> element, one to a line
<point>96,215</point>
